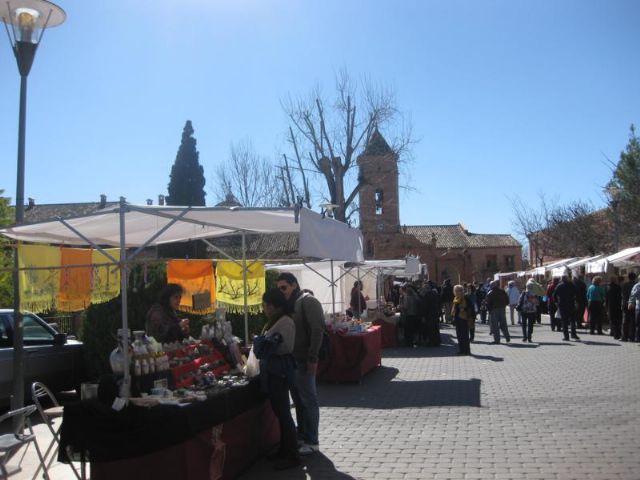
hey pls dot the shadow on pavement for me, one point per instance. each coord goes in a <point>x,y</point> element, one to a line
<point>383,392</point>
<point>316,466</point>
<point>522,345</point>
<point>487,357</point>
<point>600,344</point>
<point>556,344</point>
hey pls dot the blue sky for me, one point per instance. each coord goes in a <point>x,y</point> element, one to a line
<point>506,97</point>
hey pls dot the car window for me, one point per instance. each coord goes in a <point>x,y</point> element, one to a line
<point>34,331</point>
<point>4,336</point>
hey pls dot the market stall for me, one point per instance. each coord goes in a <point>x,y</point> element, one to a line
<point>229,402</point>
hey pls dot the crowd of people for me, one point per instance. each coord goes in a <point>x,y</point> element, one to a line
<point>572,303</point>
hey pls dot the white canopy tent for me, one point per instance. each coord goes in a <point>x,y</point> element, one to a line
<point>131,226</point>
<point>317,276</point>
<point>629,257</point>
<point>574,266</point>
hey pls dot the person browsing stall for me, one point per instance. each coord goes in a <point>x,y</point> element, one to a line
<point>162,321</point>
<point>308,317</point>
<point>274,348</point>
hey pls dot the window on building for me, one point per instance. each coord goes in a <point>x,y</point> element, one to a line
<point>379,201</point>
<point>509,262</point>
<point>370,249</point>
<point>492,262</point>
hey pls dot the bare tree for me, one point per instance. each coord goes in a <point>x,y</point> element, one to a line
<point>570,230</point>
<point>328,135</point>
<point>249,178</point>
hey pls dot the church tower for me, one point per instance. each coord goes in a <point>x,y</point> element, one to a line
<point>378,195</point>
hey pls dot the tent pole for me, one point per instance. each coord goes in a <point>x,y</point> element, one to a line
<point>333,294</point>
<point>244,280</point>
<point>126,382</point>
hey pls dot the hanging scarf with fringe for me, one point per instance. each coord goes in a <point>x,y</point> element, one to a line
<point>39,288</point>
<point>75,282</point>
<point>105,283</point>
<point>230,286</point>
<point>195,276</point>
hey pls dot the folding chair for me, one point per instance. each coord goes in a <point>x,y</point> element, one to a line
<point>10,443</point>
<point>41,394</point>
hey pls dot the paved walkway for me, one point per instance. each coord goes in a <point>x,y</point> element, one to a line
<point>547,410</point>
<point>542,411</point>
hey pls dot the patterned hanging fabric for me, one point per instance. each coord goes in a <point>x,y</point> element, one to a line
<point>196,277</point>
<point>75,282</point>
<point>39,288</point>
<point>230,285</point>
<point>105,279</point>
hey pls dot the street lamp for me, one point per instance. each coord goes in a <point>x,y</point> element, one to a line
<point>25,22</point>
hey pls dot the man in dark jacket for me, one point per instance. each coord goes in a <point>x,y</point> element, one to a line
<point>430,304</point>
<point>565,297</point>
<point>614,307</point>
<point>497,301</point>
<point>446,299</point>
<point>628,320</point>
<point>308,317</point>
<point>581,300</point>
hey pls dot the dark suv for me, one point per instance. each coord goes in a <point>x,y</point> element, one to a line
<point>50,357</point>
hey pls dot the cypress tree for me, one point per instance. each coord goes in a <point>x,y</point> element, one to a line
<point>186,184</point>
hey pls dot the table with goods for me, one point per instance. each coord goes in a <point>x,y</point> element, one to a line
<point>192,414</point>
<point>356,349</point>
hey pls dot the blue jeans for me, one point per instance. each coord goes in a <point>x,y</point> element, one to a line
<point>498,320</point>
<point>305,397</point>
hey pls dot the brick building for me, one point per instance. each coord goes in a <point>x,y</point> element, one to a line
<point>450,251</point>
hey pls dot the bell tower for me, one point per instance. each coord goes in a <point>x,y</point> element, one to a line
<point>378,195</point>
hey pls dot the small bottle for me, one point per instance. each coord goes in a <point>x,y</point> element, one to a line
<point>137,368</point>
<point>144,366</point>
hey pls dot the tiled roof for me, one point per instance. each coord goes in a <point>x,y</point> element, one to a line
<point>455,236</point>
<point>40,213</point>
<point>279,245</point>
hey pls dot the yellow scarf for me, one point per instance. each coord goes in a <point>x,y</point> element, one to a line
<point>105,276</point>
<point>38,288</point>
<point>230,285</point>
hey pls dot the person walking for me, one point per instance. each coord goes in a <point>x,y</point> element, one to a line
<point>528,307</point>
<point>411,312</point>
<point>446,299</point>
<point>614,307</point>
<point>308,317</point>
<point>481,294</point>
<point>633,305</point>
<point>595,304</point>
<point>565,297</point>
<point>497,301</point>
<point>514,297</point>
<point>460,312</point>
<point>553,306</point>
<point>581,300</point>
<point>431,311</point>
<point>628,320</point>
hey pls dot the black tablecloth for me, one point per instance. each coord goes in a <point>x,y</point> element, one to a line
<point>100,434</point>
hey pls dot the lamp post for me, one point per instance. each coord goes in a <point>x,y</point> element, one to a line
<point>25,22</point>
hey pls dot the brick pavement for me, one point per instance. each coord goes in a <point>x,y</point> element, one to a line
<point>547,410</point>
<point>550,410</point>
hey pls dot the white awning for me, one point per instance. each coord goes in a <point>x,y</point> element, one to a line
<point>157,225</point>
<point>628,257</point>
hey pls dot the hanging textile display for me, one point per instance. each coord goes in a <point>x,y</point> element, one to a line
<point>39,287</point>
<point>105,279</point>
<point>196,278</point>
<point>230,285</point>
<point>75,282</point>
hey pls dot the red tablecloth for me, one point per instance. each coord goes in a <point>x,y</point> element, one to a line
<point>244,439</point>
<point>389,333</point>
<point>352,356</point>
